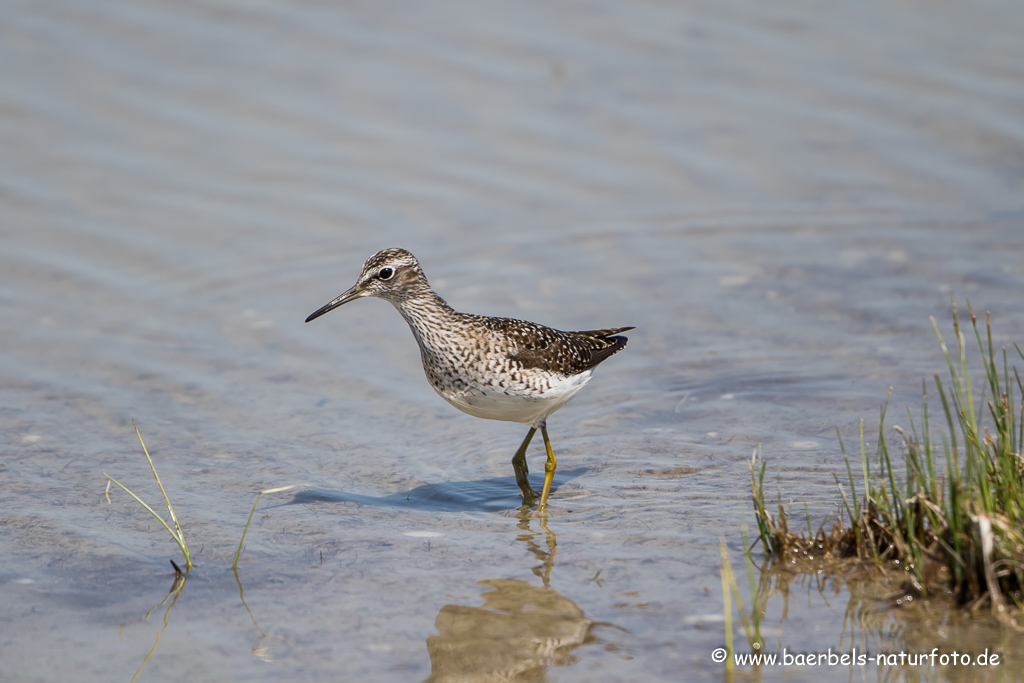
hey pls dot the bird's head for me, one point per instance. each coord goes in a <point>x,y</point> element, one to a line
<point>390,274</point>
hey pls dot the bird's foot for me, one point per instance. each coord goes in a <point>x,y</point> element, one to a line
<point>530,496</point>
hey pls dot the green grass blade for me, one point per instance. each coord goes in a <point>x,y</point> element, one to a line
<point>855,515</point>
<point>179,541</point>
<point>159,483</point>
<point>245,530</point>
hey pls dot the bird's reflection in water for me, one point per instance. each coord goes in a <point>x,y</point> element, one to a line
<point>518,632</point>
<point>529,536</point>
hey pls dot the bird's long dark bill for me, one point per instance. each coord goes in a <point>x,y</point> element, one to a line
<point>351,294</point>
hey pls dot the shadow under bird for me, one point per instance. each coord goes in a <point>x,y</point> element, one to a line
<point>495,368</point>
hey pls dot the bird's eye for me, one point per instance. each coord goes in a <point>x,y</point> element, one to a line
<point>386,273</point>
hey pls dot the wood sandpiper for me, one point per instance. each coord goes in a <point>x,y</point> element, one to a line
<point>495,368</point>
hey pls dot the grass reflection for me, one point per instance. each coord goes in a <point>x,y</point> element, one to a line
<point>262,646</point>
<point>875,624</point>
<point>177,588</point>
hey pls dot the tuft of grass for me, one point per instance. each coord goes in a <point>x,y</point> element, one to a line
<point>245,530</point>
<point>175,533</point>
<point>960,532</point>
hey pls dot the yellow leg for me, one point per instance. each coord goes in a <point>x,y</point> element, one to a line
<point>549,467</point>
<point>519,465</point>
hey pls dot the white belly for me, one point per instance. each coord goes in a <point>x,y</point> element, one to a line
<point>531,408</point>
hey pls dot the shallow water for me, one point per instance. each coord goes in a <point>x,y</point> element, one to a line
<point>778,197</point>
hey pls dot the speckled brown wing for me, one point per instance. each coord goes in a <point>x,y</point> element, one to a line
<point>568,353</point>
